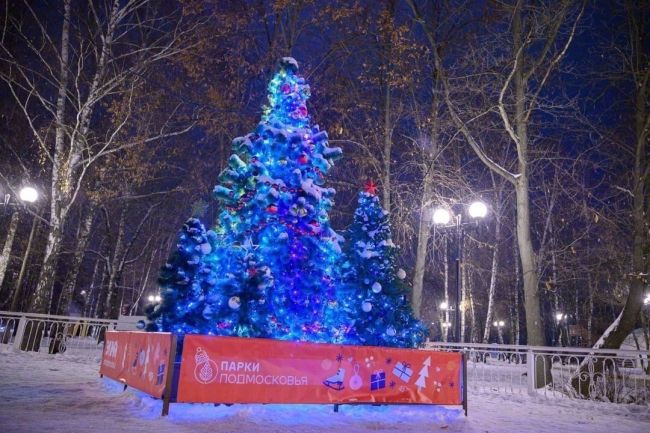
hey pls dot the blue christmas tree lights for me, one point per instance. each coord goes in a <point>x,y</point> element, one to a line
<point>376,292</point>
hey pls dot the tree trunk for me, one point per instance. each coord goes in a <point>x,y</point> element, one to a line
<point>534,325</point>
<point>388,127</point>
<point>494,270</point>
<point>474,325</point>
<point>112,290</point>
<point>23,266</point>
<point>517,319</point>
<point>6,249</point>
<point>143,286</point>
<point>83,235</point>
<point>41,302</point>
<point>61,182</point>
<point>424,233</point>
<point>100,303</point>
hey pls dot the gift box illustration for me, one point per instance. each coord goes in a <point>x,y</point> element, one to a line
<point>403,370</point>
<point>377,380</point>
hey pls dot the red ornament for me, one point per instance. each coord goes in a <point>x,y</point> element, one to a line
<point>272,208</point>
<point>286,88</point>
<point>303,159</point>
<point>371,187</point>
<point>301,111</point>
<point>251,272</point>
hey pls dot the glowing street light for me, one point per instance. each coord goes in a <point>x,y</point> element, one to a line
<point>28,194</point>
<point>560,316</point>
<point>478,209</point>
<point>499,324</point>
<point>154,298</point>
<point>441,216</point>
<point>444,218</point>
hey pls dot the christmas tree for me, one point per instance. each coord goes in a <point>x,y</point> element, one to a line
<point>278,255</point>
<point>376,291</point>
<point>184,281</point>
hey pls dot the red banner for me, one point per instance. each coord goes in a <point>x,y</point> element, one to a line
<point>248,370</point>
<point>138,359</point>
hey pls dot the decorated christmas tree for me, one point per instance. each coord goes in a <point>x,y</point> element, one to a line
<point>184,281</point>
<point>278,256</point>
<point>376,292</point>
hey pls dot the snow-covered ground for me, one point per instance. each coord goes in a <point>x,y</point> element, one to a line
<point>54,393</point>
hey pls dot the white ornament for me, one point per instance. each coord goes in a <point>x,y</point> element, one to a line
<point>391,331</point>
<point>234,302</point>
<point>401,273</point>
<point>205,248</point>
<point>376,287</point>
<point>366,306</point>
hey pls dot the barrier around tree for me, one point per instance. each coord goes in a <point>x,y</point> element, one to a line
<point>141,360</point>
<point>248,370</point>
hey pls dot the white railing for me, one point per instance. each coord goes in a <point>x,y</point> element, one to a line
<point>615,376</point>
<point>78,336</point>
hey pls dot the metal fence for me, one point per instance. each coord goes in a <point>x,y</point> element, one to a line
<point>614,376</point>
<point>78,336</point>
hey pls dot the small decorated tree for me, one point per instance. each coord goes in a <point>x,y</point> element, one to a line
<point>184,281</point>
<point>376,290</point>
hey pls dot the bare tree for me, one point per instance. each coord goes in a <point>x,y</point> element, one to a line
<point>102,52</point>
<point>530,69</point>
<point>636,71</point>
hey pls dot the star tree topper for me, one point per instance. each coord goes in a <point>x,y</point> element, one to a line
<point>371,187</point>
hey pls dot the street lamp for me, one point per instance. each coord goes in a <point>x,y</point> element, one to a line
<point>28,194</point>
<point>154,298</point>
<point>445,219</point>
<point>499,324</point>
<point>446,324</point>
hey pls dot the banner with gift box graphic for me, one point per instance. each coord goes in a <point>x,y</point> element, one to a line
<point>238,370</point>
<point>138,359</point>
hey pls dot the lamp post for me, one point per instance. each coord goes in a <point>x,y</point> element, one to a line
<point>559,317</point>
<point>154,299</point>
<point>445,323</point>
<point>446,219</point>
<point>499,324</point>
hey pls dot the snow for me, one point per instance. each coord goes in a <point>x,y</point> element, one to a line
<point>289,61</point>
<point>63,393</point>
<point>311,189</point>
